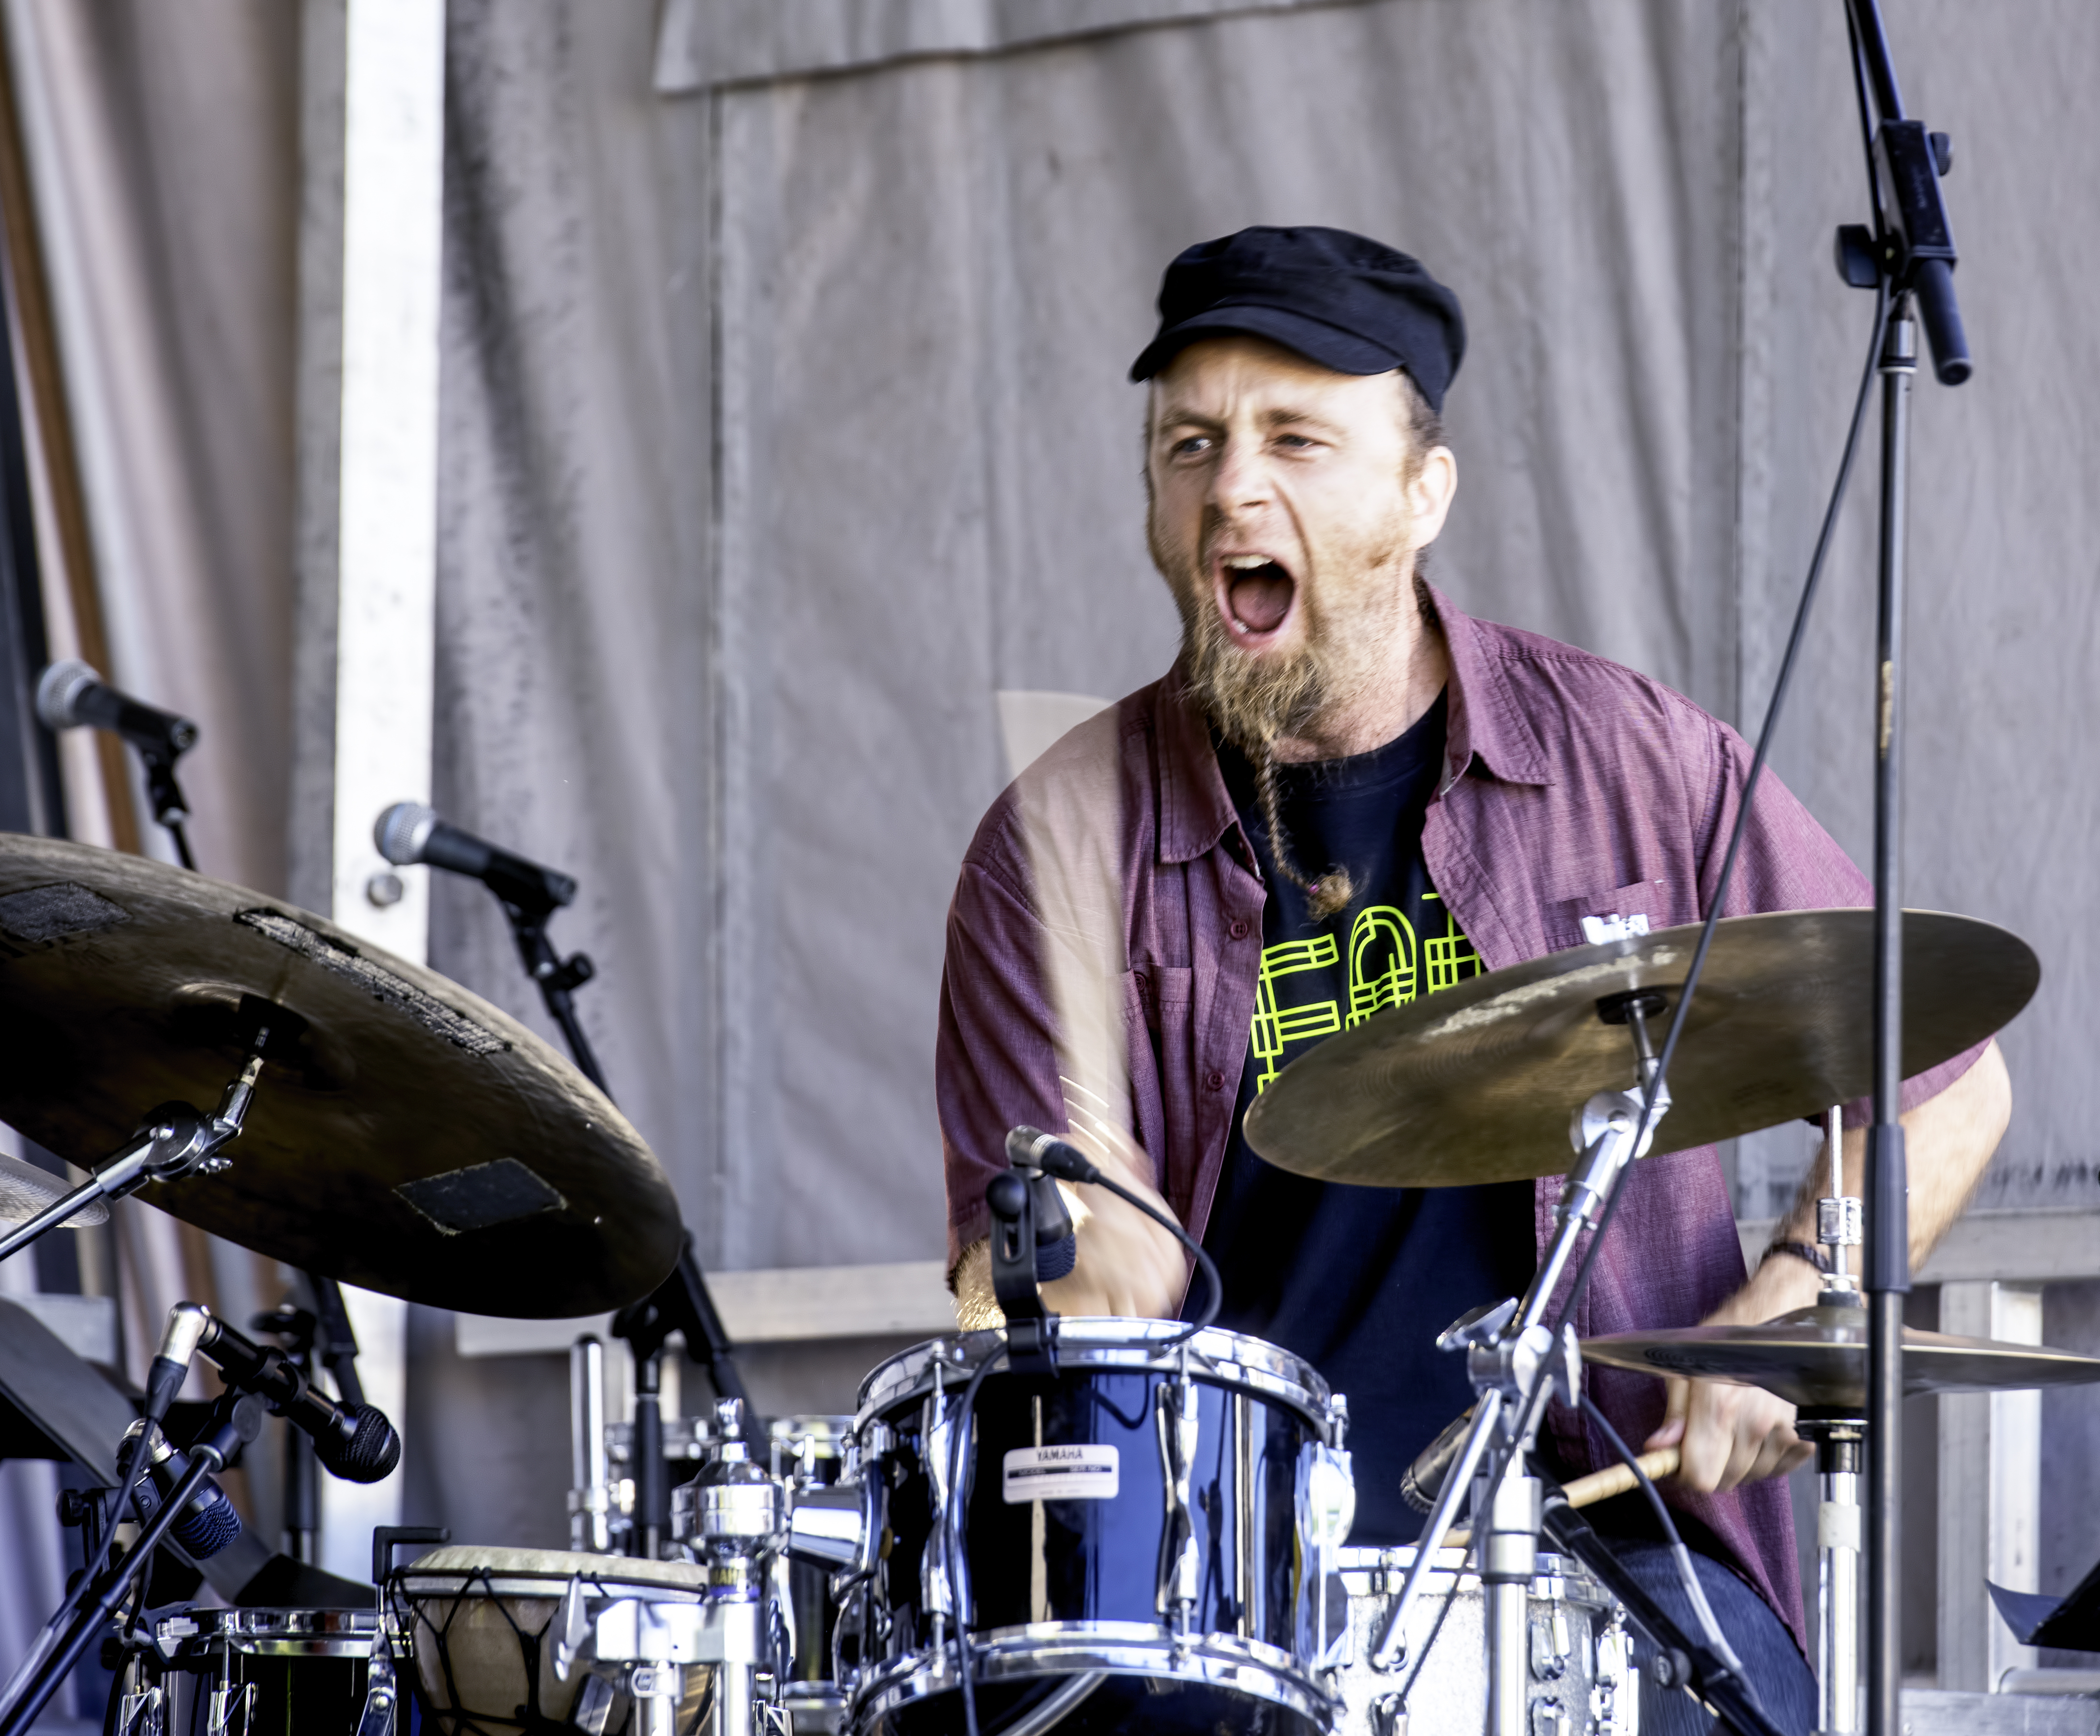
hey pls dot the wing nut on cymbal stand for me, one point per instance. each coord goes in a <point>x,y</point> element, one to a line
<point>1516,1364</point>
<point>176,1141</point>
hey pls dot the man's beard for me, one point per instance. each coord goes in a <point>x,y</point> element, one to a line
<point>1252,701</point>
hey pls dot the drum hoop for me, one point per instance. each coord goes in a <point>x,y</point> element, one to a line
<point>1233,1360</point>
<point>265,1633</point>
<point>1260,1671</point>
<point>1558,1578</point>
<point>459,1582</point>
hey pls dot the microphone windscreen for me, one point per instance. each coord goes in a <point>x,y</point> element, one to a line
<point>402,830</point>
<point>372,1449</point>
<point>59,691</point>
<point>207,1526</point>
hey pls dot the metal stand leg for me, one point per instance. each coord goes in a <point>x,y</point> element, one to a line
<point>1837,1538</point>
<point>1508,1565</point>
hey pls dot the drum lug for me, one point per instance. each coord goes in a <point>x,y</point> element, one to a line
<point>381,1695</point>
<point>1180,1567</point>
<point>1389,1716</point>
<point>144,1713</point>
<point>232,1710</point>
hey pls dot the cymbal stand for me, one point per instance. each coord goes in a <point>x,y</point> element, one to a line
<point>176,1142</point>
<point>1839,1436</point>
<point>1516,1364</point>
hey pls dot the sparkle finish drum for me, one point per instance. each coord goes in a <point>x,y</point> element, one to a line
<point>1581,1672</point>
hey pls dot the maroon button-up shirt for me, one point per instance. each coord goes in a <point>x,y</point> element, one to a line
<point>1104,939</point>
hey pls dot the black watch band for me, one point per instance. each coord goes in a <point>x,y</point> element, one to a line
<point>1807,1251</point>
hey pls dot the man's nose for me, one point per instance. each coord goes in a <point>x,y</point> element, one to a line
<point>1242,479</point>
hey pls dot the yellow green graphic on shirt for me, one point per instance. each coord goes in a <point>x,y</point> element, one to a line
<point>1389,966</point>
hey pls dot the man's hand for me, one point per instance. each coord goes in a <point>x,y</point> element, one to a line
<point>1126,1265</point>
<point>1735,1434</point>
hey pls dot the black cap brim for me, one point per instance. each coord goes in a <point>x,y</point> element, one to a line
<point>1314,339</point>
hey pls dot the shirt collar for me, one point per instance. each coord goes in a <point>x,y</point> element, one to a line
<point>1483,721</point>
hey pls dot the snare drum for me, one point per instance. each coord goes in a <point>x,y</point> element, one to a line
<point>1144,1537</point>
<point>476,1620</point>
<point>1581,1672</point>
<point>227,1672</point>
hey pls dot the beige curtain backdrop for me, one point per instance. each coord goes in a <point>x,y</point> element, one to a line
<point>785,425</point>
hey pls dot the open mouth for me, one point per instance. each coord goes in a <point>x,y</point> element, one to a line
<point>1255,594</point>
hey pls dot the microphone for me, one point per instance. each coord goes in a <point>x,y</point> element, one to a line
<point>1423,1480</point>
<point>71,696</point>
<point>1030,1149</point>
<point>208,1522</point>
<point>410,832</point>
<point>187,1322</point>
<point>354,1441</point>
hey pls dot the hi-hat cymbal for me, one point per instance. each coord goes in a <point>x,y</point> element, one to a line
<point>1478,1082</point>
<point>1818,1357</point>
<point>408,1138</point>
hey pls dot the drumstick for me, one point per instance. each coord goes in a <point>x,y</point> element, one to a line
<point>1598,1485</point>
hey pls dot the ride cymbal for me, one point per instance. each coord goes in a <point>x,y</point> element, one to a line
<point>405,1135</point>
<point>1478,1082</point>
<point>1817,1357</point>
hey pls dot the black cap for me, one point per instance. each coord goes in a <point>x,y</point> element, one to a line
<point>1347,302</point>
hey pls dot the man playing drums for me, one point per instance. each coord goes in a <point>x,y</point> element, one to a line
<point>1345,795</point>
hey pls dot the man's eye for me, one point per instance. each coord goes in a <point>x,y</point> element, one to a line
<point>1296,442</point>
<point>1190,444</point>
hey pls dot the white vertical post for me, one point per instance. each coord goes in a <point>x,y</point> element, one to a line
<point>393,197</point>
<point>1990,1492</point>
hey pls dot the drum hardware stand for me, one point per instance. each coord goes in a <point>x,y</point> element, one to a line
<point>176,1142</point>
<point>235,1421</point>
<point>649,1645</point>
<point>590,1500</point>
<point>1839,1434</point>
<point>1515,1363</point>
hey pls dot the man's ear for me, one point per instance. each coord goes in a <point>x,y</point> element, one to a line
<point>1430,493</point>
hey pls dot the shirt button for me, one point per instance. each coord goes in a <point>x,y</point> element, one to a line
<point>1214,1081</point>
<point>1238,930</point>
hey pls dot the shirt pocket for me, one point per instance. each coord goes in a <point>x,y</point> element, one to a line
<point>1161,999</point>
<point>1635,908</point>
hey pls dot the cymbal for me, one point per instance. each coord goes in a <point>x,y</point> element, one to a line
<point>1818,1357</point>
<point>405,1135</point>
<point>1478,1082</point>
<point>25,1191</point>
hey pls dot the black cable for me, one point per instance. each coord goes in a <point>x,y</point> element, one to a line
<point>952,1526</point>
<point>1780,686</point>
<point>1029,1147</point>
<point>1695,1593</point>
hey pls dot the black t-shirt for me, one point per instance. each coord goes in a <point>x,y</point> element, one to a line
<point>1359,1281</point>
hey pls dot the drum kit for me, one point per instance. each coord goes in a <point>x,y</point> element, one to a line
<point>1092,1525</point>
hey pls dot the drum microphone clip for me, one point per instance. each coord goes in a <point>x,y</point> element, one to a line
<point>1021,1225</point>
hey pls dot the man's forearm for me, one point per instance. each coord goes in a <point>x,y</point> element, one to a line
<point>1947,1140</point>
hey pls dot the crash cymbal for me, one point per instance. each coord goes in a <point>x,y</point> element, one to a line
<point>1818,1357</point>
<point>25,1191</point>
<point>405,1135</point>
<point>1478,1082</point>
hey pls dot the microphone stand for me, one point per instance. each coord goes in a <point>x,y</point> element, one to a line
<point>235,1421</point>
<point>1909,256</point>
<point>680,1303</point>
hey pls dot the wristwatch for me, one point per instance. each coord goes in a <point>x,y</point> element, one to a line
<point>1807,1251</point>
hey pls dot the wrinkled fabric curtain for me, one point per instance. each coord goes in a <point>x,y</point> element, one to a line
<point>785,426</point>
